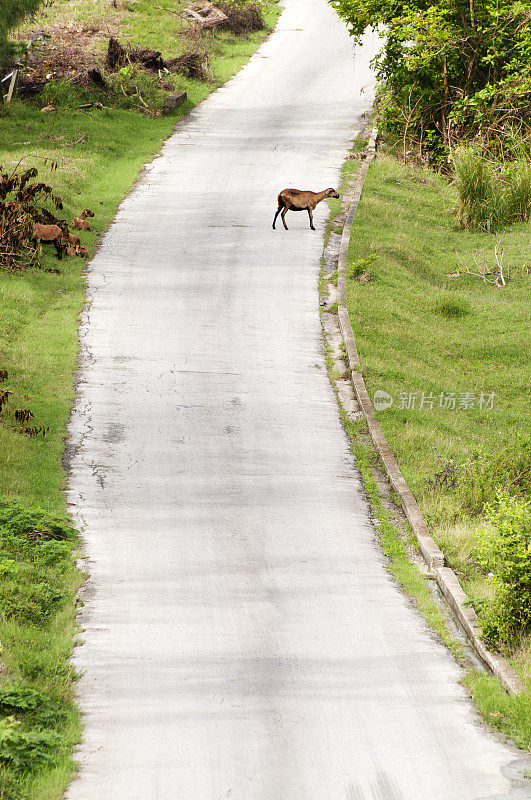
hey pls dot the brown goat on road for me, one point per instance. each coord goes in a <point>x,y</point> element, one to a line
<point>81,221</point>
<point>49,233</point>
<point>299,200</point>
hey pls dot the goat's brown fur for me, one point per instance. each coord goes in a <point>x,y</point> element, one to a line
<point>300,200</point>
<point>49,233</point>
<point>69,238</point>
<point>81,222</point>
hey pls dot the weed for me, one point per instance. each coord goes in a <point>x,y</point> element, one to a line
<point>511,715</point>
<point>508,468</point>
<point>360,267</point>
<point>490,195</point>
<point>445,479</point>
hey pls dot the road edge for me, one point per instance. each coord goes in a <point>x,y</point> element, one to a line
<point>433,556</point>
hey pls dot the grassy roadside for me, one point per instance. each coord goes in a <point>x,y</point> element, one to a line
<point>419,329</point>
<point>98,153</point>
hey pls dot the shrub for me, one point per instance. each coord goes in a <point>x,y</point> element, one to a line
<point>362,267</point>
<point>21,701</point>
<point>506,552</point>
<point>489,194</point>
<point>33,523</point>
<point>21,206</point>
<point>29,601</point>
<point>508,468</point>
<point>27,750</point>
<point>448,71</point>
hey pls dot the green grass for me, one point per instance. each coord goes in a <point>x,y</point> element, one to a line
<point>39,313</point>
<point>420,330</point>
<point>510,715</point>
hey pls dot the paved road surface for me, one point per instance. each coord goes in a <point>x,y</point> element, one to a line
<point>243,639</point>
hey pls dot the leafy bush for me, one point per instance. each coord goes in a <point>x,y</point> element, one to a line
<point>26,600</point>
<point>449,71</point>
<point>20,701</point>
<point>27,750</point>
<point>490,195</point>
<point>507,469</point>
<point>33,523</point>
<point>64,93</point>
<point>506,553</point>
<point>35,551</point>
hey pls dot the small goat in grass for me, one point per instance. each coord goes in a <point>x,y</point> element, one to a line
<point>69,238</point>
<point>300,200</point>
<point>81,221</point>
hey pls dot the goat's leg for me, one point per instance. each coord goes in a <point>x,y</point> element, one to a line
<point>310,214</point>
<point>283,217</point>
<point>58,248</point>
<point>279,209</point>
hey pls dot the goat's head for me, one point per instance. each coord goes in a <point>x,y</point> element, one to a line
<point>88,213</point>
<point>332,193</point>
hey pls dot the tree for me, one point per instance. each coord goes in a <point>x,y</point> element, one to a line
<point>450,69</point>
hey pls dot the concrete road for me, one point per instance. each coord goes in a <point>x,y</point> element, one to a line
<point>243,640</point>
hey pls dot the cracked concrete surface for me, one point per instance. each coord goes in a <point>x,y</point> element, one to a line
<point>242,638</point>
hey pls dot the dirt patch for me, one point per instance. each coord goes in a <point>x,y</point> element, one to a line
<point>66,51</point>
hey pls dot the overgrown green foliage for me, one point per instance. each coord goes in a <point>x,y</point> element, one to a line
<point>485,472</point>
<point>450,69</point>
<point>506,554</point>
<point>38,580</point>
<point>490,194</point>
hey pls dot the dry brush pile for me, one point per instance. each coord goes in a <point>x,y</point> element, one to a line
<point>21,207</point>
